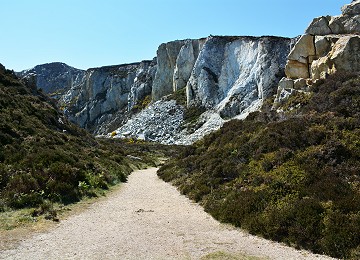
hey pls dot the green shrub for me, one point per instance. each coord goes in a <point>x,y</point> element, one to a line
<point>44,159</point>
<point>294,179</point>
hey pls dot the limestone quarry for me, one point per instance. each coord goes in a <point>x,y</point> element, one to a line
<point>224,76</point>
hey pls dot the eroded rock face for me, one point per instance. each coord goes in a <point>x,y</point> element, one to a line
<point>175,62</point>
<point>108,90</point>
<point>185,62</point>
<point>229,76</point>
<point>167,54</point>
<point>231,73</point>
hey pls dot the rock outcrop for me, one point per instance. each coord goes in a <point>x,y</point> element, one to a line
<point>347,23</point>
<point>329,45</point>
<point>107,91</point>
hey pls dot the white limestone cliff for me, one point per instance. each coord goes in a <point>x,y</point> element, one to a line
<point>228,76</point>
<point>231,74</point>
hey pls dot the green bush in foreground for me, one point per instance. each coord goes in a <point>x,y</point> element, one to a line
<point>295,180</point>
<point>44,157</point>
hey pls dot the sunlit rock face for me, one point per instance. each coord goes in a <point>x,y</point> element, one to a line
<point>226,76</point>
<point>175,63</point>
<point>330,44</point>
<point>233,74</point>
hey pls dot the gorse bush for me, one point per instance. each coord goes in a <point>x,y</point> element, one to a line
<point>141,104</point>
<point>295,180</point>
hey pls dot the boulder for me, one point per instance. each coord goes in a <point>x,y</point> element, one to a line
<point>303,49</point>
<point>322,45</point>
<point>321,68</point>
<point>343,57</point>
<point>286,83</point>
<point>300,84</point>
<point>346,54</point>
<point>295,69</point>
<point>319,26</point>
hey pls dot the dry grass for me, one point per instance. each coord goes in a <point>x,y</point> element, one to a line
<point>18,225</point>
<point>219,255</point>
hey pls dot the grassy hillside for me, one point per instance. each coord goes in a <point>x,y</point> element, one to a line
<point>294,178</point>
<point>45,159</point>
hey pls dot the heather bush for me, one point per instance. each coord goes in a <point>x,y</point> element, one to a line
<point>294,180</point>
<point>45,159</point>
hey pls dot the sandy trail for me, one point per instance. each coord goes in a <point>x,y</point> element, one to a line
<point>146,219</point>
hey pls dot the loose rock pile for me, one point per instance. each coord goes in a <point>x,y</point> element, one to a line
<point>159,122</point>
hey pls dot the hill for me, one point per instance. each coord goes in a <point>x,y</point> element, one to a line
<point>44,158</point>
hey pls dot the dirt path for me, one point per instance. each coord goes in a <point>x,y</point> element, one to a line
<point>145,219</point>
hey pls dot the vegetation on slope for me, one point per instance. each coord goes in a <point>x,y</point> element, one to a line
<point>294,179</point>
<point>45,159</point>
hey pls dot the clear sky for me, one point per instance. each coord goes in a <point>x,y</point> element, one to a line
<point>93,33</point>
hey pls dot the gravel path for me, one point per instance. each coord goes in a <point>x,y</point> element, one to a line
<point>145,219</point>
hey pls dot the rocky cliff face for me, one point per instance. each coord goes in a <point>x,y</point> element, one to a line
<point>93,97</point>
<point>233,74</point>
<point>176,61</point>
<point>329,45</point>
<point>227,76</point>
<point>107,91</point>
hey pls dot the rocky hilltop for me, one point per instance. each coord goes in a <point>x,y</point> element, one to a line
<point>225,76</point>
<point>330,44</point>
<point>54,78</point>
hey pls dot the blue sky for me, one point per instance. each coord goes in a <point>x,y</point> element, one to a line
<point>93,33</point>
